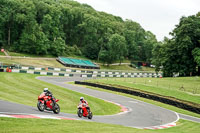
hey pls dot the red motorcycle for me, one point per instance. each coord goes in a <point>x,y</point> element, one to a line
<point>84,110</point>
<point>48,102</point>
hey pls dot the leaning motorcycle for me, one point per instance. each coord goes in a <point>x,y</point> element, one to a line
<point>84,110</point>
<point>48,102</point>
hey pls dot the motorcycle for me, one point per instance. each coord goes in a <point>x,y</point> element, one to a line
<point>84,110</point>
<point>48,102</point>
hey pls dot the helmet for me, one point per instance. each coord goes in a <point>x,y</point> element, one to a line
<point>81,98</point>
<point>45,89</point>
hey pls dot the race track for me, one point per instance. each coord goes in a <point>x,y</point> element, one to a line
<point>139,115</point>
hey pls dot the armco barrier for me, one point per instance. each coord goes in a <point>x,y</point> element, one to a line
<point>94,73</point>
<point>42,73</point>
<point>51,69</point>
<point>193,107</point>
<point>126,73</point>
<point>120,76</point>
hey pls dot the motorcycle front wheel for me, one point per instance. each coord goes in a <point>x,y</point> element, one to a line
<point>80,113</point>
<point>90,115</point>
<point>56,109</point>
<point>40,106</point>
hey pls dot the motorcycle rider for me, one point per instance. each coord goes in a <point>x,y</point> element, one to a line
<point>48,93</point>
<point>84,101</point>
<point>84,109</point>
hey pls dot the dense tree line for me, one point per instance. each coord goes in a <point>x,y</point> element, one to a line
<point>64,27</point>
<point>181,54</point>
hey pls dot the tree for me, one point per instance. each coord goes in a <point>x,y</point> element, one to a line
<point>149,43</point>
<point>34,41</point>
<point>51,26</point>
<point>181,53</point>
<point>58,46</point>
<point>90,38</point>
<point>8,28</point>
<point>164,56</point>
<point>118,43</point>
<point>135,38</point>
<point>196,54</point>
<point>114,50</point>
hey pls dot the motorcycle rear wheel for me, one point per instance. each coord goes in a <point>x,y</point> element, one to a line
<point>56,109</point>
<point>40,106</point>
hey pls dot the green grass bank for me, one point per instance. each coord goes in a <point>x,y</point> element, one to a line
<point>184,88</point>
<point>13,125</point>
<point>25,89</point>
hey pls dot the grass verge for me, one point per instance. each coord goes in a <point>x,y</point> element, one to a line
<point>163,86</point>
<point>173,108</point>
<point>29,55</point>
<point>125,67</point>
<point>13,125</point>
<point>41,62</point>
<point>24,89</point>
<point>44,62</point>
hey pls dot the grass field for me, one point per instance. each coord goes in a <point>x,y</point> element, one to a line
<point>186,88</point>
<point>126,68</point>
<point>29,55</point>
<point>24,89</point>
<point>32,62</point>
<point>167,106</point>
<point>42,62</point>
<point>13,125</point>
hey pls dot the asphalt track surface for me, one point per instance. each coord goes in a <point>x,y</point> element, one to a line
<point>139,114</point>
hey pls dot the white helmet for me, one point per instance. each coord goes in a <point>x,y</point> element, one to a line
<point>81,98</point>
<point>45,89</point>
